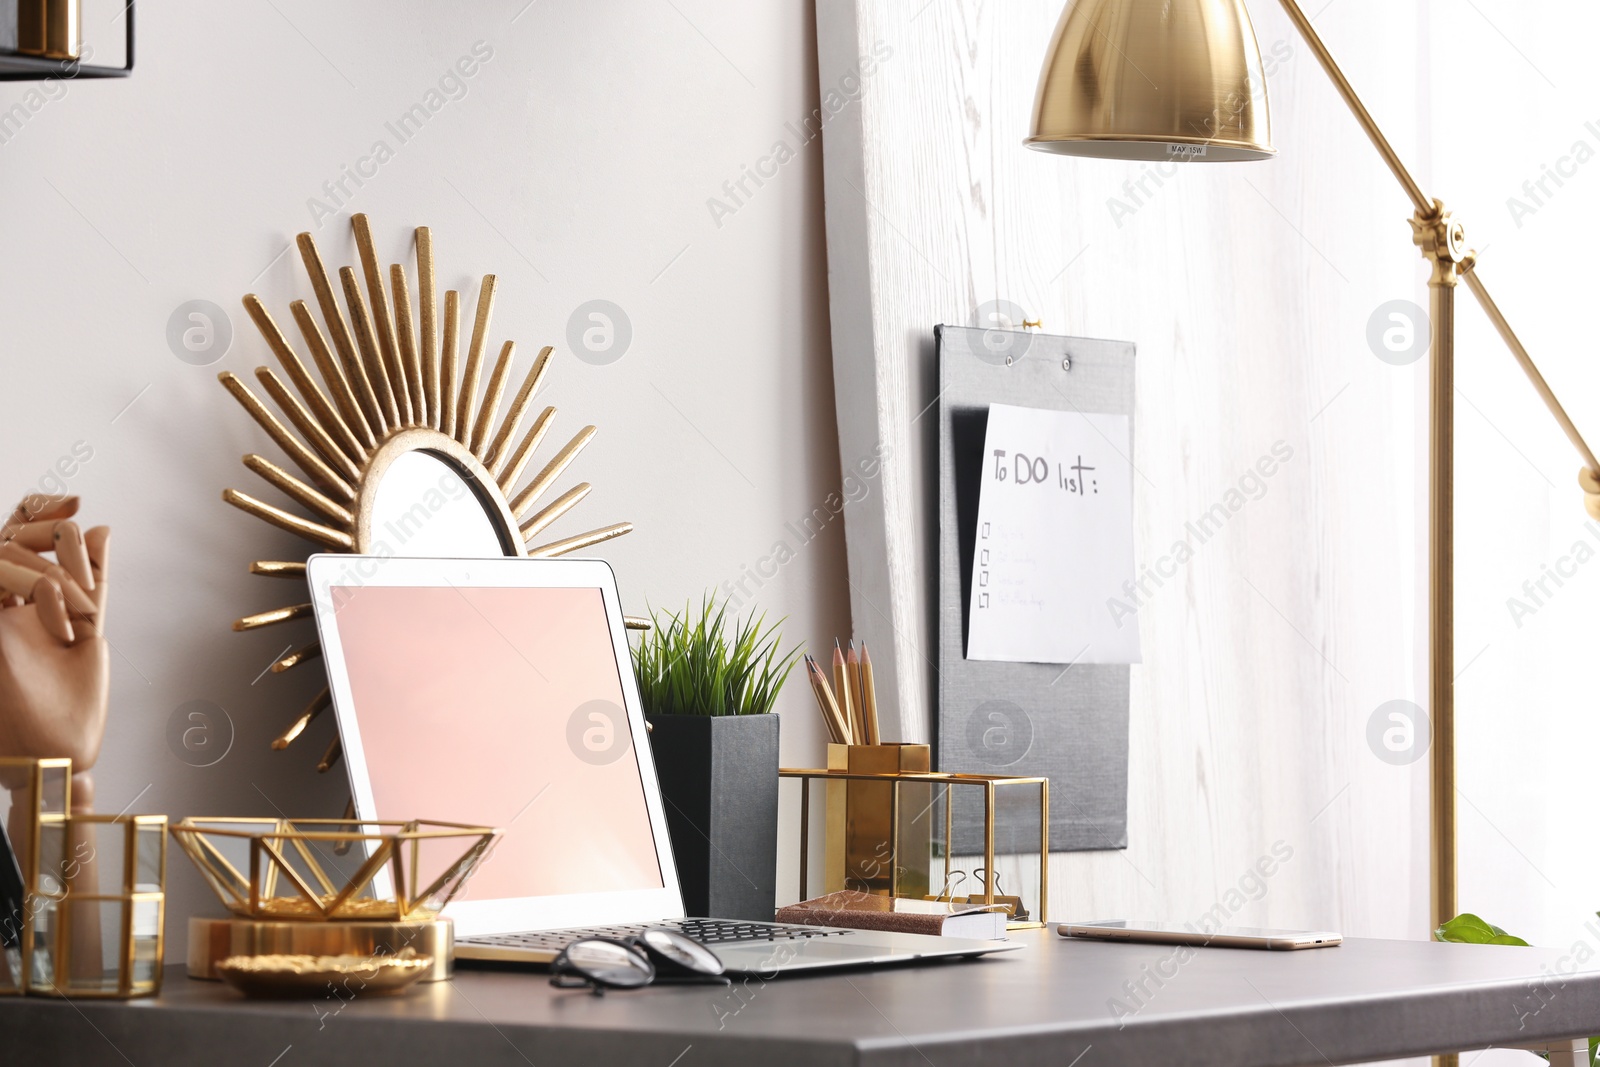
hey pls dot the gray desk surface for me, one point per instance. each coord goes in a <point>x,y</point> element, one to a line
<point>1048,1004</point>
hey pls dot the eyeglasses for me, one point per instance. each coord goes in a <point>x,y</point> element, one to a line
<point>602,963</point>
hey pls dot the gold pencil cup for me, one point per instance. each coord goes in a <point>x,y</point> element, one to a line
<point>879,836</point>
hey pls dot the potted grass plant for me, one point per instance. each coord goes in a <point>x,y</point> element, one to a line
<point>709,680</point>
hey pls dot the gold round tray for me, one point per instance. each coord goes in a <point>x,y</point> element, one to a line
<point>213,940</point>
<point>308,976</point>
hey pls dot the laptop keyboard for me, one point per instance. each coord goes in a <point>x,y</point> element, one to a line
<point>705,931</point>
<point>723,931</point>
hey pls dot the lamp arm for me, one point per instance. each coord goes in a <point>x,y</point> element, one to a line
<point>1427,209</point>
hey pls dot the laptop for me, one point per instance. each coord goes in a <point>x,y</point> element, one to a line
<point>501,692</point>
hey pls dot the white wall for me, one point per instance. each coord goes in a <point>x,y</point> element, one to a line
<point>1526,702</point>
<point>577,165</point>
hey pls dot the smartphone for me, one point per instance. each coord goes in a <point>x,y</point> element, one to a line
<point>1161,933</point>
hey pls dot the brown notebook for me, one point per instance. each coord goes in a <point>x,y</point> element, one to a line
<point>869,911</point>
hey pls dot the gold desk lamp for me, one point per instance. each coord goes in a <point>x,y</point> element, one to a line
<point>1181,79</point>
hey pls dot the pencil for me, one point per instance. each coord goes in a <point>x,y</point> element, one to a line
<point>822,705</point>
<point>846,694</point>
<point>869,698</point>
<point>858,704</point>
<point>835,709</point>
<point>832,718</point>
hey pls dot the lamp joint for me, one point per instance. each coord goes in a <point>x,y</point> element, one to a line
<point>1443,241</point>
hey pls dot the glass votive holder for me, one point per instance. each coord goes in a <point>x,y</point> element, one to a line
<point>96,910</point>
<point>38,788</point>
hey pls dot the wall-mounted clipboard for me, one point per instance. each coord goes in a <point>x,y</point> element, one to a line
<point>1069,724</point>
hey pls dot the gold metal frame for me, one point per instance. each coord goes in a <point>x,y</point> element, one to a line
<point>45,810</point>
<point>40,771</point>
<point>39,807</point>
<point>131,895</point>
<point>387,383</point>
<point>989,783</point>
<point>393,844</point>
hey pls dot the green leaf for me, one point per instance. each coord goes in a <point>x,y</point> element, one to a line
<point>708,663</point>
<point>1594,1052</point>
<point>1468,929</point>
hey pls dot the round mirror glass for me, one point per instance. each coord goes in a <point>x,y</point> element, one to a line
<point>424,507</point>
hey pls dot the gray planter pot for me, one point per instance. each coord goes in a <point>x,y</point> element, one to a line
<point>719,779</point>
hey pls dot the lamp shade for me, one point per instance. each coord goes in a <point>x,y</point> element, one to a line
<point>1155,80</point>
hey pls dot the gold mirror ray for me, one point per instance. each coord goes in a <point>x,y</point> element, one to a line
<point>267,568</point>
<point>519,408</point>
<point>385,378</point>
<point>297,657</point>
<point>296,369</point>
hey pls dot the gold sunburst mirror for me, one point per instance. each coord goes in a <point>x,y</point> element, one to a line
<point>397,450</point>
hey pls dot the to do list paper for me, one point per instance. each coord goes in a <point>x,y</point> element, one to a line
<point>1054,540</point>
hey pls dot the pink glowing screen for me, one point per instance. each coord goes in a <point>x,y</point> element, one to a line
<point>502,707</point>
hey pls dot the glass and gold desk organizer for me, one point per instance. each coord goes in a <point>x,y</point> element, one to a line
<point>93,911</point>
<point>330,888</point>
<point>889,828</point>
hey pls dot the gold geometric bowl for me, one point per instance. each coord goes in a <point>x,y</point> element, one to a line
<point>319,870</point>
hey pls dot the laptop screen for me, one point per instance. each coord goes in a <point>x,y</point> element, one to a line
<point>501,707</point>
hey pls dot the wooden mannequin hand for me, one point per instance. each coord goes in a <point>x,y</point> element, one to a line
<point>54,662</point>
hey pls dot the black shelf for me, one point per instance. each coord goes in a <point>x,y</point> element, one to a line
<point>16,67</point>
